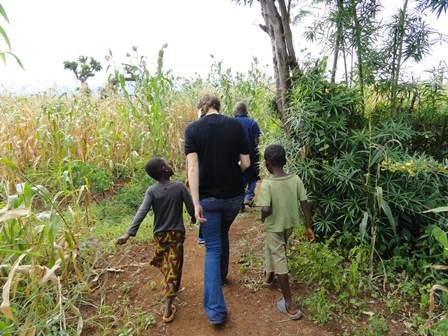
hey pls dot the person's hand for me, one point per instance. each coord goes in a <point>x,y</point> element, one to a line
<point>123,239</point>
<point>199,214</point>
<point>193,220</point>
<point>310,234</point>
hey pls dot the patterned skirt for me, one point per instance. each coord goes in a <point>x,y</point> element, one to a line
<point>169,258</point>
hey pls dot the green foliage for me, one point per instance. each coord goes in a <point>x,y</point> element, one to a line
<point>441,328</point>
<point>5,38</point>
<point>377,327</point>
<point>320,265</point>
<point>347,172</point>
<point>83,68</point>
<point>437,6</point>
<point>38,249</point>
<point>83,173</point>
<point>125,203</point>
<point>318,307</point>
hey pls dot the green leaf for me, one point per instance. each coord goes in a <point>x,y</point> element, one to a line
<point>386,209</point>
<point>376,156</point>
<point>3,13</point>
<point>437,210</point>
<point>5,37</point>
<point>441,237</point>
<point>8,163</point>
<point>19,62</point>
<point>11,251</point>
<point>3,57</point>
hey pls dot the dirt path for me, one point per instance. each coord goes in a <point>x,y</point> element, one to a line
<point>252,310</point>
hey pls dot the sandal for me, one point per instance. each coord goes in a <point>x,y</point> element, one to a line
<point>281,305</point>
<point>170,318</point>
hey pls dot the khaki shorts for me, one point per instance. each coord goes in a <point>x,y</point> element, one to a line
<point>275,252</point>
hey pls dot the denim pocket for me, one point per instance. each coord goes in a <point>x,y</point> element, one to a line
<point>211,204</point>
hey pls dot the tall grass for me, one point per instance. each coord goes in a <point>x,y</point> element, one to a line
<point>77,146</point>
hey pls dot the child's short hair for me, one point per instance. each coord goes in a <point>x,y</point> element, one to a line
<point>275,155</point>
<point>154,168</point>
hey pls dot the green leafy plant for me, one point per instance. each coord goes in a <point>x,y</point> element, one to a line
<point>5,38</point>
<point>318,307</point>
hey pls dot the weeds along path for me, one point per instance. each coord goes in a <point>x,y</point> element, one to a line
<point>132,299</point>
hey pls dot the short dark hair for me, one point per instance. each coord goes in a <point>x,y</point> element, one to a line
<point>275,155</point>
<point>207,102</point>
<point>241,108</point>
<point>154,168</point>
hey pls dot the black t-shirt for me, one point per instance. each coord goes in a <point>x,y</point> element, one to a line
<point>218,140</point>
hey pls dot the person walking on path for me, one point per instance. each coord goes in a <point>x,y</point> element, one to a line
<point>217,154</point>
<point>166,198</point>
<point>252,130</point>
<point>279,199</point>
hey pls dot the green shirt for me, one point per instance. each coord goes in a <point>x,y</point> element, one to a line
<point>283,195</point>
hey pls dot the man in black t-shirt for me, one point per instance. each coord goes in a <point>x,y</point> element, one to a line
<point>217,153</point>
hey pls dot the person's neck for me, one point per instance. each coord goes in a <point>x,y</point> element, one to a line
<point>164,180</point>
<point>278,172</point>
<point>211,111</point>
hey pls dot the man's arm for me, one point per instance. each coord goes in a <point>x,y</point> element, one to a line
<point>193,181</point>
<point>244,161</point>
<point>188,201</point>
<point>243,147</point>
<point>256,132</point>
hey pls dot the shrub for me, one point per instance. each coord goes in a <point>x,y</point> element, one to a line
<point>364,175</point>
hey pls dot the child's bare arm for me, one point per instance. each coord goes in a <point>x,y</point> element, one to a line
<point>266,211</point>
<point>307,213</point>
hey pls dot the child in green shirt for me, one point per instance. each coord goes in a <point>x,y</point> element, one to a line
<point>278,198</point>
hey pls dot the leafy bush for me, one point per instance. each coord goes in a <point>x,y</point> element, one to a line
<point>319,308</point>
<point>323,266</point>
<point>440,328</point>
<point>378,327</point>
<point>364,175</point>
<point>85,173</point>
<point>125,203</point>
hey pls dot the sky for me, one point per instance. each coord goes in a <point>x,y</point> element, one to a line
<point>45,33</point>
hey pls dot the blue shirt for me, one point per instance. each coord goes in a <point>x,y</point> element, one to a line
<point>252,131</point>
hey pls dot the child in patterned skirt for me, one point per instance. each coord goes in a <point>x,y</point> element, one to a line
<point>166,198</point>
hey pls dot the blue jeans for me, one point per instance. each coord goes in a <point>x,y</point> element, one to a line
<point>220,214</point>
<point>249,187</point>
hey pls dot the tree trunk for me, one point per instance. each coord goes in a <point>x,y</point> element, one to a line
<point>397,66</point>
<point>340,4</point>
<point>286,20</point>
<point>285,63</point>
<point>344,54</point>
<point>359,48</point>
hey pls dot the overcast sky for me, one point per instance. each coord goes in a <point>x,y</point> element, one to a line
<point>44,33</point>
